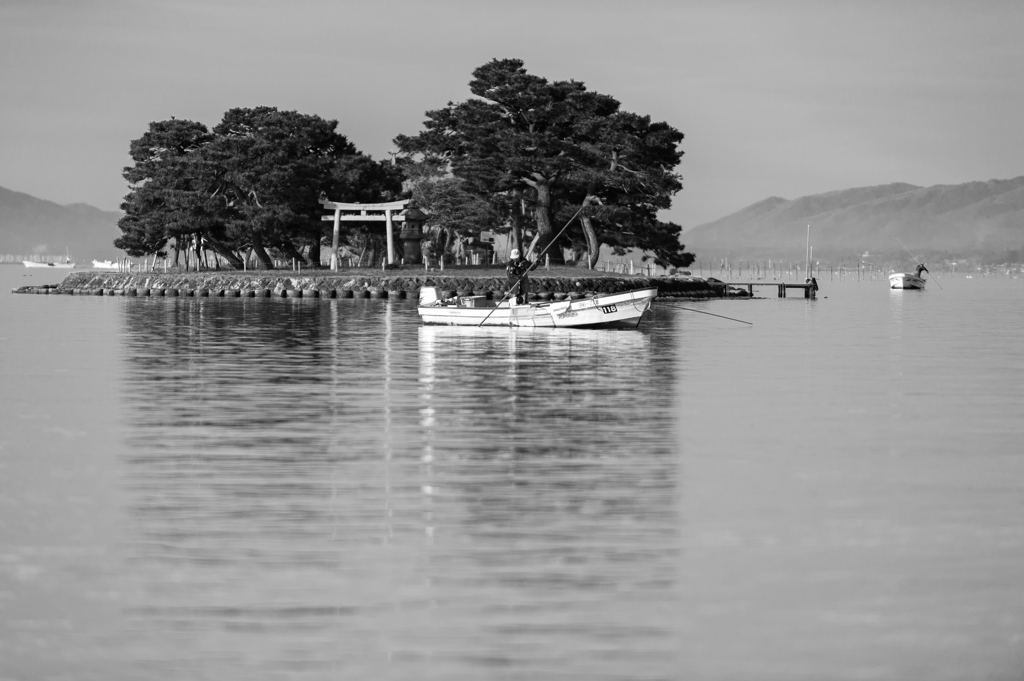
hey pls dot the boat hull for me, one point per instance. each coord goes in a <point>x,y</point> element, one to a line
<point>611,311</point>
<point>905,280</point>
<point>517,315</point>
<point>50,265</point>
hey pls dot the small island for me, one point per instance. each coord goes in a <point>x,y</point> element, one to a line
<point>251,206</point>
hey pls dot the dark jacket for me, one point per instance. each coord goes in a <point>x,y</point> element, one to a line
<point>515,269</point>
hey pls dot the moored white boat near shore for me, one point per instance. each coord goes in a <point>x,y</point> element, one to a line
<point>602,311</point>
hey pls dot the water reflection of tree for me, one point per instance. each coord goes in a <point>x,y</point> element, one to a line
<point>236,421</point>
<point>256,480</point>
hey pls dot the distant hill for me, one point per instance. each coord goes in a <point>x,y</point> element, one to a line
<point>963,220</point>
<point>31,226</point>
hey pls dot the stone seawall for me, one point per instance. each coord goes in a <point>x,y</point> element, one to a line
<point>341,285</point>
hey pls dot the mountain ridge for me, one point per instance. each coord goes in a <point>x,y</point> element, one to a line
<point>964,220</point>
<point>969,219</point>
<point>30,226</point>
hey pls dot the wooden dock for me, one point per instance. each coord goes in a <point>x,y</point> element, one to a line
<point>780,285</point>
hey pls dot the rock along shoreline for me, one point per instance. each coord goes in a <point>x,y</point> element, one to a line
<point>350,285</point>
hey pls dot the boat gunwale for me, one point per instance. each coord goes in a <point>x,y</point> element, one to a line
<point>447,313</point>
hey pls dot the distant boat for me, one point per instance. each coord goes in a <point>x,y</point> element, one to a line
<point>908,280</point>
<point>66,265</point>
<point>106,265</point>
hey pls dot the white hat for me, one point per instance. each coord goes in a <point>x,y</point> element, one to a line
<point>514,254</point>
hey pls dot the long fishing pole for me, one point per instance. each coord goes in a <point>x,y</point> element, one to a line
<point>914,257</point>
<point>907,249</point>
<point>807,255</point>
<point>717,315</point>
<point>515,286</point>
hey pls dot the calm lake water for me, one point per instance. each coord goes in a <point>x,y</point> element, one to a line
<point>301,489</point>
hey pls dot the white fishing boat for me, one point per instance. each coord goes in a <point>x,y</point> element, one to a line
<point>52,265</point>
<point>908,280</point>
<point>602,311</point>
<point>66,265</point>
<point>106,265</point>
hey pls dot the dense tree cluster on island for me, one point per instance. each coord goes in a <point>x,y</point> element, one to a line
<point>252,182</point>
<point>523,157</point>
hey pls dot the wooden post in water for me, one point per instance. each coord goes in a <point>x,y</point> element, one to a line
<point>335,236</point>
<point>391,238</point>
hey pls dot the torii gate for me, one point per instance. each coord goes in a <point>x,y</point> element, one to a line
<point>371,212</point>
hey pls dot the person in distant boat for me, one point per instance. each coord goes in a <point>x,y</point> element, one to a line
<point>921,268</point>
<point>518,279</point>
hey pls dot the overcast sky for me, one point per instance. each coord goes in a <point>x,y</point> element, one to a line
<point>775,98</point>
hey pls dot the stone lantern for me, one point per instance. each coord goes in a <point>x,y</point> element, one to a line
<point>412,233</point>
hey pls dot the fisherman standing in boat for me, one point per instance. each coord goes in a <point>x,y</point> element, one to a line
<point>518,279</point>
<point>921,268</point>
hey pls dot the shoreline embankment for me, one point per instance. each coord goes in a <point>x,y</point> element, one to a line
<point>347,284</point>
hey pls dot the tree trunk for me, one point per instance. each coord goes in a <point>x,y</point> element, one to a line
<point>375,253</point>
<point>516,237</point>
<point>593,247</point>
<point>313,258</point>
<point>545,228</point>
<point>225,252</point>
<point>261,253</point>
<point>443,241</point>
<point>289,248</point>
<point>459,248</point>
<point>518,215</point>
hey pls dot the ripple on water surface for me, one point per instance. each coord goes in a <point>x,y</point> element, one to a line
<point>368,491</point>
